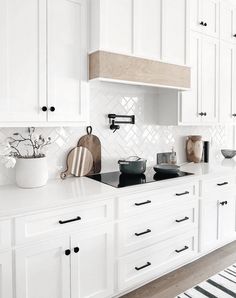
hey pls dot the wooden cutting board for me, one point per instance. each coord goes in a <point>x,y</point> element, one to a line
<point>79,162</point>
<point>93,144</point>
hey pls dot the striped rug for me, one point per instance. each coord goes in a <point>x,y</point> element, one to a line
<point>221,285</point>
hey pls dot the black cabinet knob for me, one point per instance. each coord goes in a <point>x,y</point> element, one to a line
<point>204,114</point>
<point>201,114</point>
<point>67,252</point>
<point>234,35</point>
<point>205,24</point>
<point>202,23</point>
<point>76,250</point>
<point>234,115</point>
<point>44,109</point>
<point>52,109</point>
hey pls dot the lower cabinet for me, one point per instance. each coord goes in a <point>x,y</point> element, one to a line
<point>6,275</point>
<point>75,266</point>
<point>217,221</point>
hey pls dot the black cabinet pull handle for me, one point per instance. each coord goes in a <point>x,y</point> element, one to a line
<point>44,109</point>
<point>143,233</point>
<point>182,194</point>
<point>183,249</point>
<point>222,184</point>
<point>62,222</point>
<point>143,203</point>
<point>76,249</point>
<point>181,220</point>
<point>67,252</point>
<point>224,203</point>
<point>52,109</point>
<point>144,266</point>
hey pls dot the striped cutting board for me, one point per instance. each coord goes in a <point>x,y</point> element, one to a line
<point>221,285</point>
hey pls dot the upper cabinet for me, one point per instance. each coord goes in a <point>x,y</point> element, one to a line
<point>228,21</point>
<point>204,16</point>
<point>43,58</point>
<point>22,60</point>
<point>152,29</point>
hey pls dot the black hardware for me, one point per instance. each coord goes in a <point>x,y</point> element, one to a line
<point>205,24</point>
<point>185,248</point>
<point>76,249</point>
<point>202,23</point>
<point>203,114</point>
<point>144,266</point>
<point>52,109</point>
<point>234,35</point>
<point>143,203</point>
<point>222,184</point>
<point>44,109</point>
<point>114,124</point>
<point>200,114</point>
<point>67,252</point>
<point>146,232</point>
<point>234,115</point>
<point>181,220</point>
<point>182,194</point>
<point>224,203</point>
<point>62,222</point>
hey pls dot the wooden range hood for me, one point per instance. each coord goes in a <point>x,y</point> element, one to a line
<point>114,67</point>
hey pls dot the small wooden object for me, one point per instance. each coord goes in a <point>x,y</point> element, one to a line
<point>79,162</point>
<point>93,144</point>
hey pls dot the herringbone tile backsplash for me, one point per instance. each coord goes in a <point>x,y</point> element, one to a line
<point>145,138</point>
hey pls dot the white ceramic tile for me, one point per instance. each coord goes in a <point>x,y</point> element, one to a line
<point>145,138</point>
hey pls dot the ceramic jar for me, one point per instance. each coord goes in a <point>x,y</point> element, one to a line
<point>194,149</point>
<point>31,172</point>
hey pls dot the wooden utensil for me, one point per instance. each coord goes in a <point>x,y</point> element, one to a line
<point>93,144</point>
<point>79,162</point>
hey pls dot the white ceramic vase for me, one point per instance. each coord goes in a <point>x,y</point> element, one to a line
<point>31,172</point>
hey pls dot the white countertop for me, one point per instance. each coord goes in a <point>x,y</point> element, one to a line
<point>58,193</point>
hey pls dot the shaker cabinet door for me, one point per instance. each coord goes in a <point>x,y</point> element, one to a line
<point>209,79</point>
<point>43,270</point>
<point>227,22</point>
<point>67,67</point>
<point>6,275</point>
<point>147,28</point>
<point>22,60</point>
<point>92,263</point>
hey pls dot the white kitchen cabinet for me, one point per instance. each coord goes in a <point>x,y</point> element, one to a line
<point>227,101</point>
<point>175,31</point>
<point>43,58</point>
<point>209,79</point>
<point>22,60</point>
<point>67,60</point>
<point>43,270</point>
<point>153,29</point>
<point>217,221</point>
<point>147,28</point>
<point>227,21</point>
<point>77,265</point>
<point>201,103</point>
<point>111,26</point>
<point>204,16</point>
<point>6,275</point>
<point>92,266</point>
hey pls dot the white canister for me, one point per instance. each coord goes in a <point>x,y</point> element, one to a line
<point>31,172</point>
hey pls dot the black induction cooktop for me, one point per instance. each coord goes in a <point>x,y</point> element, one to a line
<point>117,179</point>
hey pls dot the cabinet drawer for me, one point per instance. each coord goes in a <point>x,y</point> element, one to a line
<point>156,260</point>
<point>147,201</point>
<point>39,226</point>
<point>217,185</point>
<point>139,232</point>
<point>5,234</point>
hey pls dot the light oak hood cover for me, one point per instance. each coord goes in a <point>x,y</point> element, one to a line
<point>129,69</point>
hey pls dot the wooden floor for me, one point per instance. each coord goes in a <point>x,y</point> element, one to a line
<point>186,277</point>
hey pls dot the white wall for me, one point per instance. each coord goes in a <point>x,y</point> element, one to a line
<point>145,138</point>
